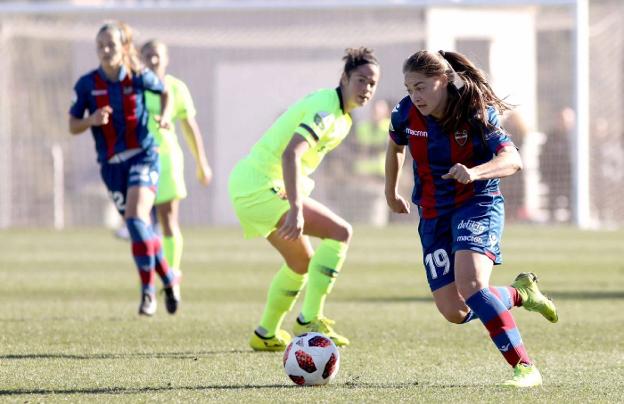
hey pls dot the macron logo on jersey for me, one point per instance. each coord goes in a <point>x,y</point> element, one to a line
<point>494,134</point>
<point>417,133</point>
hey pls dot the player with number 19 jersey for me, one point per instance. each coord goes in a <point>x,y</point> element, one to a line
<point>472,213</point>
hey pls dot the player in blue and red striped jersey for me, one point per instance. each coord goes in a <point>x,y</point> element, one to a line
<point>449,122</point>
<point>113,95</point>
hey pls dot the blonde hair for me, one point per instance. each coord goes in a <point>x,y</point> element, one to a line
<point>131,59</point>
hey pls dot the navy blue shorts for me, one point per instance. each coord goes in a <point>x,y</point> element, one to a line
<point>477,226</point>
<point>141,170</point>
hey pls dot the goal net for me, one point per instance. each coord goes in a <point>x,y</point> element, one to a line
<point>245,64</point>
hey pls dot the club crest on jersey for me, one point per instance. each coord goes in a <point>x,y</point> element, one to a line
<point>461,137</point>
<point>498,133</point>
<point>281,193</point>
<point>319,119</point>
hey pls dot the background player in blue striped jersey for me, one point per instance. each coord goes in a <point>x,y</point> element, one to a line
<point>450,123</point>
<point>113,94</point>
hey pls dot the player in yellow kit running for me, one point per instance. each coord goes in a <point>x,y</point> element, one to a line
<point>270,190</point>
<point>171,185</point>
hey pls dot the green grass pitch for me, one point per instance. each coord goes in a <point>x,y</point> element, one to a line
<point>70,330</point>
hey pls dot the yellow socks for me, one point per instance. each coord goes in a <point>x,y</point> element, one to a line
<point>322,272</point>
<point>281,298</point>
<point>172,248</point>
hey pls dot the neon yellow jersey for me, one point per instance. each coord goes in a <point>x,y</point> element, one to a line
<point>182,107</point>
<point>319,118</point>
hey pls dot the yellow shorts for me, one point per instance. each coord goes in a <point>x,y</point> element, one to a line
<point>171,183</point>
<point>259,202</point>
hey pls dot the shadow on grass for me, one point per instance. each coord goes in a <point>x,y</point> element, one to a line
<point>64,318</point>
<point>147,355</point>
<point>587,295</point>
<point>139,390</point>
<point>388,299</point>
<point>354,384</point>
<point>135,390</point>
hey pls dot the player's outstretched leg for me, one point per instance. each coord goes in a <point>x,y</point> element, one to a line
<point>282,295</point>
<point>532,298</point>
<point>323,270</point>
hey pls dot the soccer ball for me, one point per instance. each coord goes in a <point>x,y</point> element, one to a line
<point>311,359</point>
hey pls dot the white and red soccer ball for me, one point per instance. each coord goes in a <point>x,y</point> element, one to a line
<point>311,359</point>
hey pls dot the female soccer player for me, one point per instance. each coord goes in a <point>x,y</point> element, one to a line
<point>171,185</point>
<point>113,96</point>
<point>270,190</point>
<point>449,122</point>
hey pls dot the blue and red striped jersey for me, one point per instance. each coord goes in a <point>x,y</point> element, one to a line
<point>434,152</point>
<point>128,127</point>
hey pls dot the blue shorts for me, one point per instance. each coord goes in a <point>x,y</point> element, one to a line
<point>477,226</point>
<point>141,170</point>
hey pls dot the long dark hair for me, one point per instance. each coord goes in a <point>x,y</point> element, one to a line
<point>469,93</point>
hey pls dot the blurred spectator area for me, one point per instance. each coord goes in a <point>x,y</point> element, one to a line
<point>246,64</point>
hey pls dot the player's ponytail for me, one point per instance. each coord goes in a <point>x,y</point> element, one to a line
<point>132,61</point>
<point>470,93</point>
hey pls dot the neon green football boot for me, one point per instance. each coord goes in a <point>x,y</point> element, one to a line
<point>277,343</point>
<point>324,326</point>
<point>524,376</point>
<point>532,298</point>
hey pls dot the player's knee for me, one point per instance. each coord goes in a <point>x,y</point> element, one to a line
<point>299,265</point>
<point>467,289</point>
<point>344,232</point>
<point>170,228</point>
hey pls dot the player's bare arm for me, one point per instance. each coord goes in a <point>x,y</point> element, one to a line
<point>164,120</point>
<point>193,137</point>
<point>292,228</point>
<point>395,156</point>
<point>100,117</point>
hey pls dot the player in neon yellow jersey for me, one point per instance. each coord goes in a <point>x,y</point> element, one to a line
<point>270,190</point>
<point>171,185</point>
